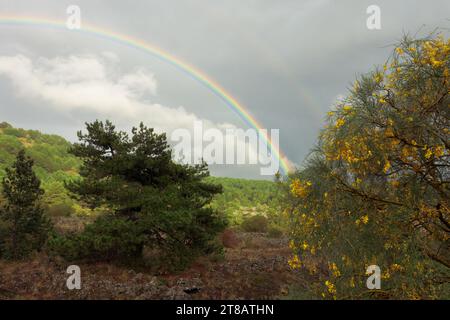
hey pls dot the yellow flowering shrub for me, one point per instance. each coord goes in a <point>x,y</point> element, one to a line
<point>376,189</point>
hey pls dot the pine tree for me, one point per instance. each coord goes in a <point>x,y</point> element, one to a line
<point>151,200</point>
<point>23,226</point>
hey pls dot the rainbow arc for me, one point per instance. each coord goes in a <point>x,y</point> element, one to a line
<point>162,55</point>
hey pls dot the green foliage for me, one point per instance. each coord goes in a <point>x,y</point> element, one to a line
<point>23,226</point>
<point>52,163</point>
<point>152,201</point>
<point>108,238</point>
<point>243,197</point>
<point>255,224</point>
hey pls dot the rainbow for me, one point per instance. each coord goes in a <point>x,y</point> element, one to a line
<point>141,45</point>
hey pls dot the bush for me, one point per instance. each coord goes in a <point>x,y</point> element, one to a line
<point>275,231</point>
<point>109,238</point>
<point>375,190</point>
<point>59,210</point>
<point>255,223</point>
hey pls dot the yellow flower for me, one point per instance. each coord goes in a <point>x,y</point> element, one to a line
<point>299,188</point>
<point>365,219</point>
<point>438,151</point>
<point>387,166</point>
<point>399,51</point>
<point>295,262</point>
<point>437,63</point>
<point>330,287</point>
<point>340,122</point>
<point>347,108</point>
<point>333,267</point>
<point>395,183</point>
<point>396,267</point>
<point>305,245</point>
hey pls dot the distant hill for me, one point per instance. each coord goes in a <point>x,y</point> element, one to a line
<point>48,151</point>
<point>54,165</point>
<point>245,197</point>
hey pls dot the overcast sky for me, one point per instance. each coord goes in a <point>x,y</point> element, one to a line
<point>286,61</point>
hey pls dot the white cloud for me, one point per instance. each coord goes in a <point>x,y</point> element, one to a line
<point>66,70</point>
<point>92,84</point>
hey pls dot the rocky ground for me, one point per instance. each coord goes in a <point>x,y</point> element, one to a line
<point>254,267</point>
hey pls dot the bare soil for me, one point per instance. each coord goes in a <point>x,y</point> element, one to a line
<point>254,268</point>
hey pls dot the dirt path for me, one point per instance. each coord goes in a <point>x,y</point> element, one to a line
<point>256,268</point>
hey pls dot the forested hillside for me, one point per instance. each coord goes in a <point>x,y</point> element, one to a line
<point>54,165</point>
<point>243,198</point>
<point>48,151</point>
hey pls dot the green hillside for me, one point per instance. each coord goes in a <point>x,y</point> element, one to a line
<point>54,165</point>
<point>242,197</point>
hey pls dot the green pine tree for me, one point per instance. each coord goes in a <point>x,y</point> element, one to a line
<point>152,201</point>
<point>23,226</point>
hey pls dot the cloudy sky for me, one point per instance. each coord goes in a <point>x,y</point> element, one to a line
<point>286,61</point>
